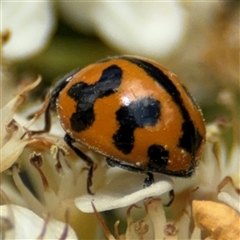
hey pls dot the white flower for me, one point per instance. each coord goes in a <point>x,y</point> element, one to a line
<point>11,143</point>
<point>219,174</point>
<point>30,25</point>
<point>151,29</point>
<point>21,223</point>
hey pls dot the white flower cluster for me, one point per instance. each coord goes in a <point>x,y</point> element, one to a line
<point>43,183</point>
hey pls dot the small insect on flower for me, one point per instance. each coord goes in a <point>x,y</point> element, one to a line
<point>134,112</point>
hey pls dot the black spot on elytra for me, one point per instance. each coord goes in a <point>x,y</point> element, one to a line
<point>191,138</point>
<point>158,157</point>
<point>138,114</point>
<point>85,96</point>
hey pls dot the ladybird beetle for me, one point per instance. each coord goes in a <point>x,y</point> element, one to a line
<point>133,111</point>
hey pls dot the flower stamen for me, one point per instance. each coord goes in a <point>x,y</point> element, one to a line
<point>102,223</point>
<point>116,229</point>
<point>36,160</point>
<point>44,229</point>
<point>225,181</point>
<point>26,193</point>
<point>65,230</point>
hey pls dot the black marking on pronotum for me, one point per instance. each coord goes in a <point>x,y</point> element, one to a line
<point>85,96</point>
<point>138,114</point>
<point>191,138</point>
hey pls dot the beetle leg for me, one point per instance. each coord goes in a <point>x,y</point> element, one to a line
<point>171,196</point>
<point>147,182</point>
<point>47,120</point>
<point>85,158</point>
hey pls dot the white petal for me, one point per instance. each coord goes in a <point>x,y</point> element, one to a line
<point>11,144</point>
<point>10,190</point>
<point>27,225</point>
<point>233,165</point>
<point>12,149</point>
<point>30,24</point>
<point>7,112</point>
<point>124,190</point>
<point>152,29</point>
<point>229,200</point>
